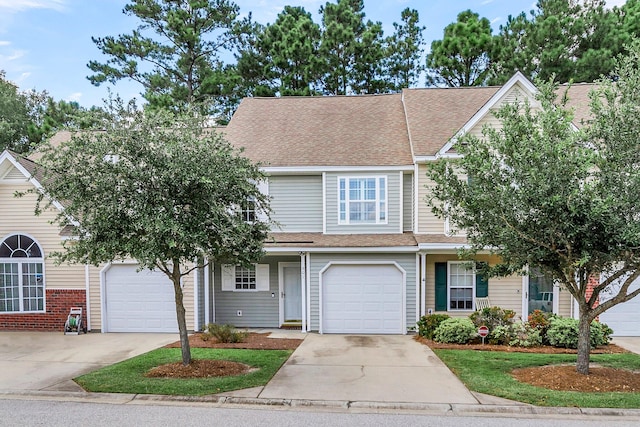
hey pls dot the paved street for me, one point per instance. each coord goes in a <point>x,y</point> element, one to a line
<point>64,414</point>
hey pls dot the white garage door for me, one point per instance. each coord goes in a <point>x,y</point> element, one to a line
<point>624,318</point>
<point>362,299</point>
<point>139,301</point>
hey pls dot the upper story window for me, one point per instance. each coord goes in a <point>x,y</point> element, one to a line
<point>362,200</point>
<point>248,210</point>
<point>21,275</point>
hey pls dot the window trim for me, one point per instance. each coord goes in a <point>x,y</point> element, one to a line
<point>378,200</point>
<point>449,287</point>
<point>228,278</point>
<point>20,262</point>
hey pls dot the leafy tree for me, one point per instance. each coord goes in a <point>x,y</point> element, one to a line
<point>573,40</point>
<point>405,48</point>
<point>548,197</point>
<point>461,58</point>
<point>353,50</point>
<point>169,193</point>
<point>509,50</point>
<point>283,57</point>
<point>368,72</point>
<point>175,53</point>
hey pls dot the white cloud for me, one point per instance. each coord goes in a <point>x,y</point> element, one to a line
<point>20,5</point>
<point>4,43</point>
<point>16,54</point>
<point>612,3</point>
<point>74,97</point>
<point>486,2</point>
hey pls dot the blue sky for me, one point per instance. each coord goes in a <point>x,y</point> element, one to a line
<point>46,44</point>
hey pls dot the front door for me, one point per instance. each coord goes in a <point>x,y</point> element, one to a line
<point>290,293</point>
<point>540,294</point>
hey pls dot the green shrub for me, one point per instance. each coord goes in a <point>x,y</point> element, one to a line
<point>455,330</point>
<point>563,332</point>
<point>541,320</point>
<point>492,317</point>
<point>600,334</point>
<point>224,333</point>
<point>427,324</point>
<point>516,335</point>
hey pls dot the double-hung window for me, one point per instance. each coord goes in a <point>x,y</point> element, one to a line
<point>248,210</point>
<point>21,275</point>
<point>461,286</point>
<point>362,200</point>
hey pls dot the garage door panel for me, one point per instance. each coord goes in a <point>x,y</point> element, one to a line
<point>362,299</point>
<point>139,301</point>
<point>624,318</point>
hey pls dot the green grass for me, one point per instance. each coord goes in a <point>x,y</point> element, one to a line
<point>128,376</point>
<point>489,372</point>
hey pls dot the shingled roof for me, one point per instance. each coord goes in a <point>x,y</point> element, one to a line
<point>365,130</point>
<point>434,115</point>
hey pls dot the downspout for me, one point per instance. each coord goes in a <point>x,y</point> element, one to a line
<point>423,283</point>
<point>308,285</point>
<point>87,295</point>
<point>207,308</point>
<point>303,284</point>
<point>196,294</point>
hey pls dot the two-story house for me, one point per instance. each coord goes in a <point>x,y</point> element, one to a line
<point>354,247</point>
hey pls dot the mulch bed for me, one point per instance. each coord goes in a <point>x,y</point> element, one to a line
<point>560,377</point>
<point>606,349</point>
<point>254,341</point>
<point>220,368</point>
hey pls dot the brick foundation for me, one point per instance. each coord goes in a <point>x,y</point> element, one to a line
<point>58,303</point>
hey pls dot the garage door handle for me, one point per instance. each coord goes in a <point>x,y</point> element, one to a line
<point>282,295</point>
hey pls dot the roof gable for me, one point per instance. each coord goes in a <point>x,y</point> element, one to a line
<point>516,89</point>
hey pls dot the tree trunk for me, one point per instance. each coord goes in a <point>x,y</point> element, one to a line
<point>182,323</point>
<point>584,344</point>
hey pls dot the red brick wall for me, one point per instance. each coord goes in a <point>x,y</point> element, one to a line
<point>58,302</point>
<point>594,281</point>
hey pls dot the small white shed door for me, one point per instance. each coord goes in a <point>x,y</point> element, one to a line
<point>139,301</point>
<point>362,299</point>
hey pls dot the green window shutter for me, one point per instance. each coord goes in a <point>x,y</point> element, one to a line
<point>441,286</point>
<point>482,283</point>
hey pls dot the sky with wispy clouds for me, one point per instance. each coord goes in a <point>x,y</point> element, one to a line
<point>46,44</point>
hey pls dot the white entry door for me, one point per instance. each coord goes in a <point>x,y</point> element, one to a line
<point>290,292</point>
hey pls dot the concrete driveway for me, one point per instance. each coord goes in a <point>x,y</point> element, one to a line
<point>49,360</point>
<point>375,368</point>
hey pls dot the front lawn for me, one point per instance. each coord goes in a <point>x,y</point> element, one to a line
<point>129,376</point>
<point>489,372</point>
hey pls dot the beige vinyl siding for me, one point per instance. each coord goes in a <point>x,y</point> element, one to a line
<point>406,261</point>
<point>503,292</point>
<point>17,217</point>
<point>516,94</point>
<point>428,223</point>
<point>296,202</point>
<point>393,205</point>
<point>564,302</point>
<point>408,201</point>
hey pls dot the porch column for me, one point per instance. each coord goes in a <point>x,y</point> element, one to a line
<point>207,318</point>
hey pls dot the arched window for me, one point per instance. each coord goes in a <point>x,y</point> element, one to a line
<point>21,275</point>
